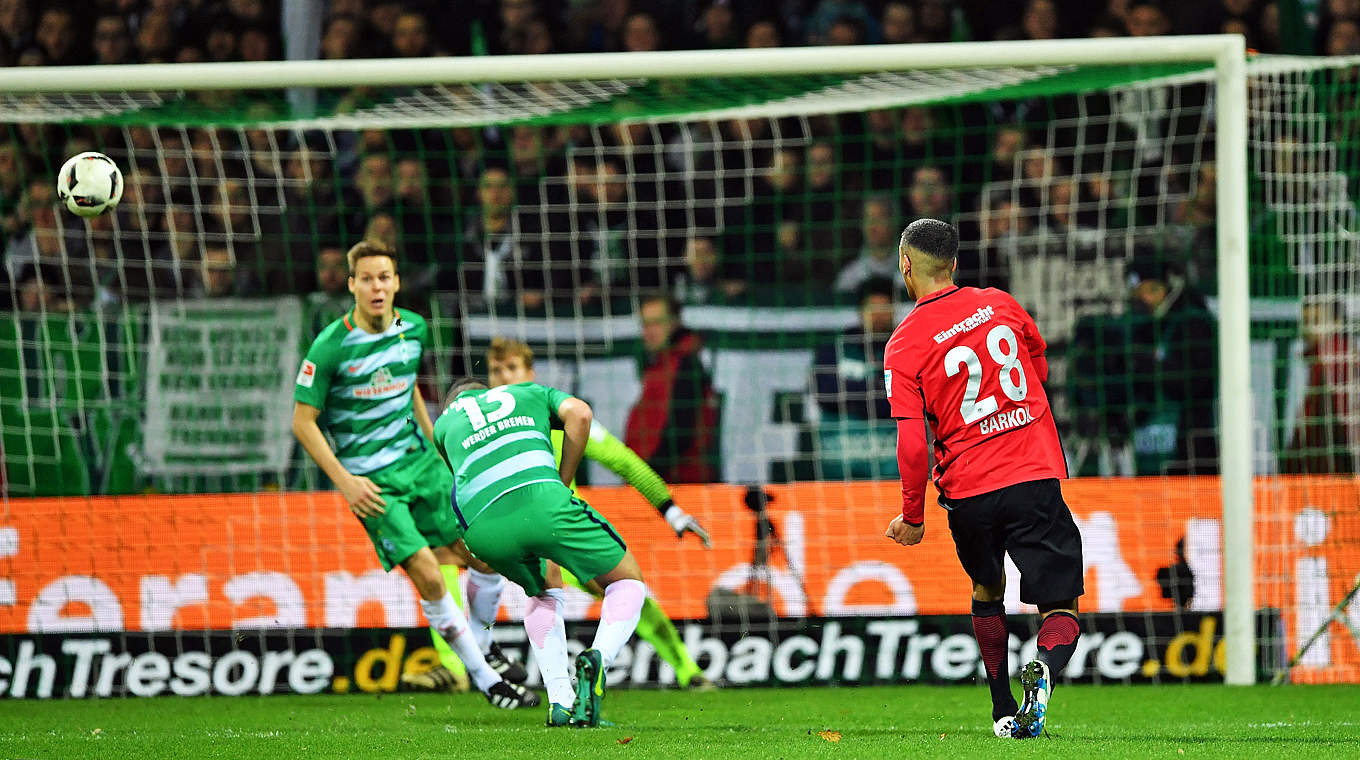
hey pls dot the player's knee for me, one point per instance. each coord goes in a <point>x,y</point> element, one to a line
<point>989,593</point>
<point>1067,605</point>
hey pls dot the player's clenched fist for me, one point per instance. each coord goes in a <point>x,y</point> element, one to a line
<point>362,496</point>
<point>905,533</point>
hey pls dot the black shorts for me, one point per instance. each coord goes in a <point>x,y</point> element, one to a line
<point>1031,522</point>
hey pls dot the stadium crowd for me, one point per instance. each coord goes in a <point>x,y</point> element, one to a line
<point>586,220</point>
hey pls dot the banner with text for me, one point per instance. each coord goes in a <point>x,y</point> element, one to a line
<point>300,560</point>
<point>219,386</point>
<point>1158,647</point>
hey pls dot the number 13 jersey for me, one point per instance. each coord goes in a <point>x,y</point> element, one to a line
<point>971,362</point>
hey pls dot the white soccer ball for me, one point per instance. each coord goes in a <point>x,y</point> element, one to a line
<point>90,184</point>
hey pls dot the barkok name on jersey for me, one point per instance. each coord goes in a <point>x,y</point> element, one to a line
<point>522,420</point>
<point>1005,421</point>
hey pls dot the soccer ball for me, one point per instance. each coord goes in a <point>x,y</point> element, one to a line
<point>90,184</point>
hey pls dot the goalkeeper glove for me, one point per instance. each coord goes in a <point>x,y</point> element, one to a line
<point>681,522</point>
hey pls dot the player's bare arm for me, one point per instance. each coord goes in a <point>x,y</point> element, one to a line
<point>576,417</point>
<point>422,414</point>
<point>361,494</point>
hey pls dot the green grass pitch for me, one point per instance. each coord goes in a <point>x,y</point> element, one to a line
<point>869,722</point>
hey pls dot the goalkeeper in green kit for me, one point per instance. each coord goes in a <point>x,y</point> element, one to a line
<point>358,382</point>
<point>520,518</point>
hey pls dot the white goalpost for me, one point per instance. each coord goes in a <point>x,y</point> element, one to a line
<point>41,94</point>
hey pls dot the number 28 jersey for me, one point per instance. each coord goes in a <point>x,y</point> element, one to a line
<point>971,362</point>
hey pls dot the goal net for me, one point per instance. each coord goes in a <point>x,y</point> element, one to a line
<point>153,494</point>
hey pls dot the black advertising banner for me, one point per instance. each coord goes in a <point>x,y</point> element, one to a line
<point>790,652</point>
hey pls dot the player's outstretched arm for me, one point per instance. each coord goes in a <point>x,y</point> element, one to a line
<point>361,494</point>
<point>609,451</point>
<point>576,418</point>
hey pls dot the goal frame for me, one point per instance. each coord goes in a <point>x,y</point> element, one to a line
<point>1227,54</point>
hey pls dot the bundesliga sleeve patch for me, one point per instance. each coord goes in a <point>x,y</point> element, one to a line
<point>307,374</point>
<point>887,381</point>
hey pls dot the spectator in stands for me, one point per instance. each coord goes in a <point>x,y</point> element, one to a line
<point>618,241</point>
<point>1006,144</point>
<point>258,43</point>
<point>929,194</point>
<point>112,43</point>
<point>1147,19</point>
<point>220,43</point>
<point>529,159</point>
<point>594,27</point>
<point>764,237</point>
<point>878,253</point>
<point>16,25</point>
<point>829,13</point>
<point>383,15</point>
<point>831,202</point>
<point>44,290</point>
<point>218,277</point>
<point>31,57</point>
<point>1038,21</point>
<point>847,373</point>
<point>310,195</point>
<point>1343,38</point>
<point>640,34</point>
<point>898,23</point>
<point>155,36</point>
<point>764,33</point>
<point>699,283</point>
<point>424,221</point>
<point>1270,29</point>
<point>188,54</point>
<point>13,172</point>
<point>515,17</point>
<point>493,267</point>
<point>1150,376</point>
<point>536,39</point>
<point>1326,437</point>
<point>845,31</point>
<point>935,20</point>
<point>716,27</point>
<point>1004,231</point>
<point>331,298</point>
<point>179,227</point>
<point>342,38</point>
<point>249,11</point>
<point>372,190</point>
<point>39,239</point>
<point>673,424</point>
<point>411,36</point>
<point>382,227</point>
<point>57,36</point>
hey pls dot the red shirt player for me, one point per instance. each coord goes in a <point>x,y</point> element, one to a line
<point>971,363</point>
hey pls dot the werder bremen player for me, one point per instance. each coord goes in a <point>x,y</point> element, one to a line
<point>511,361</point>
<point>359,382</point>
<point>517,513</point>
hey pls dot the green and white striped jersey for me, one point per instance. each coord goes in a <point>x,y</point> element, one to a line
<point>364,384</point>
<point>497,440</point>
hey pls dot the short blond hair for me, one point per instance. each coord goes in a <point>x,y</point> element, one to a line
<point>366,248</point>
<point>502,348</point>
